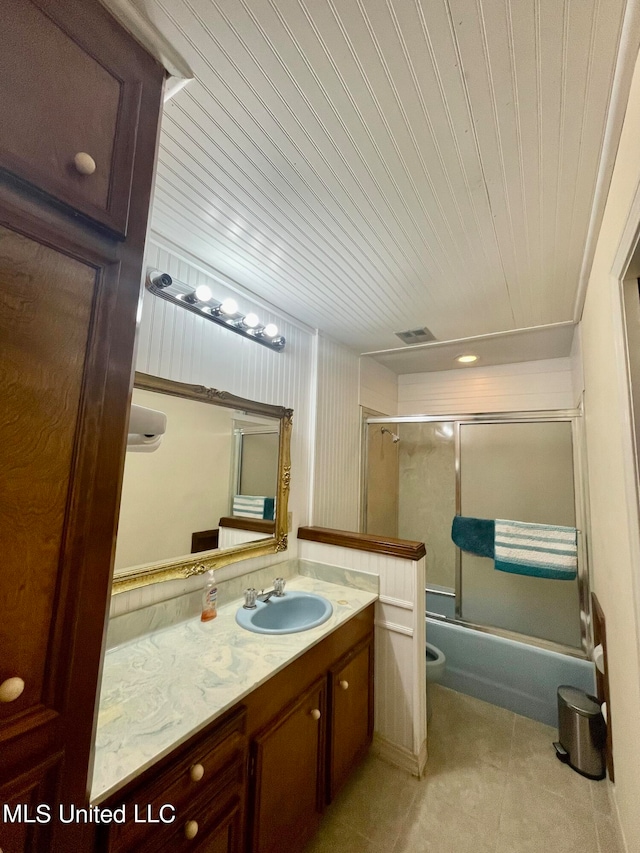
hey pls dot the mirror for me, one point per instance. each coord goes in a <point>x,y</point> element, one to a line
<point>213,491</point>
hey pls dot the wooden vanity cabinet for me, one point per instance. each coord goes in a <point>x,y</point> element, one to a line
<point>350,714</point>
<point>294,766</point>
<point>71,253</point>
<point>288,774</point>
<point>288,745</point>
<point>201,786</point>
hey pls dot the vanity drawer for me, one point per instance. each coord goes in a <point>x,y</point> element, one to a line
<point>204,782</point>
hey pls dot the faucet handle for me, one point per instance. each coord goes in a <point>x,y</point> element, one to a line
<point>250,596</point>
<point>278,585</point>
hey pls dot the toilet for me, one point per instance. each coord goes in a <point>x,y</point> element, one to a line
<point>436,663</point>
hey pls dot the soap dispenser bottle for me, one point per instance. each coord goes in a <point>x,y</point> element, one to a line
<point>209,598</point>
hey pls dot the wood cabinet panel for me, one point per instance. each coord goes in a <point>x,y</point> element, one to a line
<point>228,832</point>
<point>67,91</point>
<point>288,775</point>
<point>268,700</point>
<point>42,374</point>
<point>24,828</point>
<point>69,292</point>
<point>204,781</point>
<point>351,714</point>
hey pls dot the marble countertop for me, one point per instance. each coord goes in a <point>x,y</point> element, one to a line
<point>159,690</point>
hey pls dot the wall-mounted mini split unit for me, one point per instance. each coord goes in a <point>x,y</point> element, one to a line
<point>146,428</point>
<point>416,336</point>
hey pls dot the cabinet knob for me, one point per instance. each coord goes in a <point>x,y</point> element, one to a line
<point>11,689</point>
<point>316,714</point>
<point>196,772</point>
<point>344,685</point>
<point>191,829</point>
<point>84,163</point>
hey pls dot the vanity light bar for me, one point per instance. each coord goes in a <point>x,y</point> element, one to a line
<point>201,302</point>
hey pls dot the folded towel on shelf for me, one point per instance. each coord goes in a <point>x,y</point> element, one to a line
<point>475,535</point>
<point>269,509</point>
<point>253,506</point>
<point>538,550</point>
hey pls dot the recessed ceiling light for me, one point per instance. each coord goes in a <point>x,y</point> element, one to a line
<point>467,359</point>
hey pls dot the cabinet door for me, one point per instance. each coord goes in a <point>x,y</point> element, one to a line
<point>351,713</point>
<point>61,446</point>
<point>69,82</point>
<point>288,761</point>
<point>24,824</point>
<point>227,835</point>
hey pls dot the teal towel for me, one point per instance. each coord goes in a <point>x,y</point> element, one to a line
<point>475,535</point>
<point>538,550</point>
<point>269,508</point>
<point>254,506</point>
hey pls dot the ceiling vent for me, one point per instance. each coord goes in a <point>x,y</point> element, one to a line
<point>416,336</point>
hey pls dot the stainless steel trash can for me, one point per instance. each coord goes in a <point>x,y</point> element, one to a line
<point>582,732</point>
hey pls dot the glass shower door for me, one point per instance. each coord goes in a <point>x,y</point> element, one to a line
<point>427,495</point>
<point>522,472</point>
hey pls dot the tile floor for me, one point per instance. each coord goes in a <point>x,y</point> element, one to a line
<point>493,785</point>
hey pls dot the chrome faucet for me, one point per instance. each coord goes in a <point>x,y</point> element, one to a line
<point>251,595</point>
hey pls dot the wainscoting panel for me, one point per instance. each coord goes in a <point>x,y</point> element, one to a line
<point>400,703</point>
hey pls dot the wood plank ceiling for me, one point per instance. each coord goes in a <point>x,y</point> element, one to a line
<point>371,166</point>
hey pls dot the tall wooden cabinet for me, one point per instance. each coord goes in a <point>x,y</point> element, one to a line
<point>80,103</point>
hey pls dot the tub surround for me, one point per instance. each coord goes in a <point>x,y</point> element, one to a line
<point>159,690</point>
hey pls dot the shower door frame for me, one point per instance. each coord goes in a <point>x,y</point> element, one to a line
<point>572,416</point>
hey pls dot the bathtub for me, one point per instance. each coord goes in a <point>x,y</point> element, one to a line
<point>508,673</point>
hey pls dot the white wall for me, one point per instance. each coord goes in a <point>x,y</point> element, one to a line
<point>378,387</point>
<point>577,371</point>
<point>336,493</point>
<point>614,522</point>
<point>527,386</point>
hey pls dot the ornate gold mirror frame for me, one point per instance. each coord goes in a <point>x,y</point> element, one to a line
<point>195,564</point>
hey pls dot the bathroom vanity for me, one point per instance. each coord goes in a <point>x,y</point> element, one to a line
<point>242,738</point>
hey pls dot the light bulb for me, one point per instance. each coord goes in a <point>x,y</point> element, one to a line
<point>270,330</point>
<point>229,306</point>
<point>467,359</point>
<point>251,321</point>
<point>203,293</point>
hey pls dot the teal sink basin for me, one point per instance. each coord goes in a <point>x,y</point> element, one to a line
<point>293,612</point>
